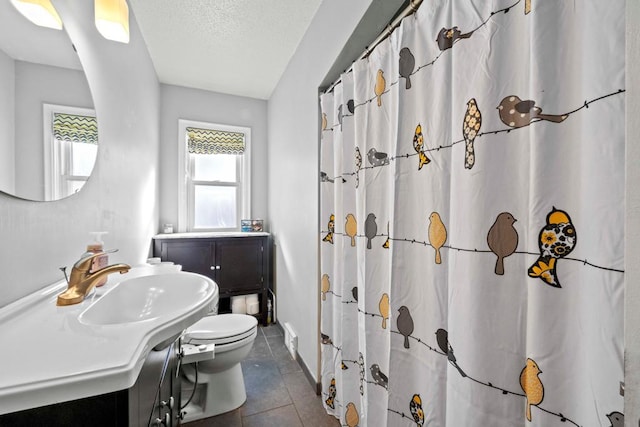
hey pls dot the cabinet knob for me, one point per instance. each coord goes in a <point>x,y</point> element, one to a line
<point>169,403</point>
<point>215,267</point>
<point>164,421</point>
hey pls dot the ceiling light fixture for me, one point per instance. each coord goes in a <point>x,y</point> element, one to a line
<point>40,12</point>
<point>112,19</point>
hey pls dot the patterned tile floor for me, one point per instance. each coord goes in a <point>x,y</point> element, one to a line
<point>278,392</point>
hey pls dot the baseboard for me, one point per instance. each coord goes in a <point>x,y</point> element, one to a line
<point>307,372</point>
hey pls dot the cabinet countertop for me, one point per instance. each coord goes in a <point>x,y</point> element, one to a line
<point>210,234</point>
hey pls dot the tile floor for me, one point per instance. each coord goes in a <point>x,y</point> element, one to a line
<point>278,392</point>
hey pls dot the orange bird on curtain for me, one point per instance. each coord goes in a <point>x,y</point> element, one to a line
<point>437,234</point>
<point>531,385</point>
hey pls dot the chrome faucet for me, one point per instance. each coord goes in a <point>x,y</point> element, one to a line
<point>82,280</point>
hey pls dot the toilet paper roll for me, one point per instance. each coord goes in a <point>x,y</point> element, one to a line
<point>238,305</point>
<point>253,308</point>
<point>251,298</point>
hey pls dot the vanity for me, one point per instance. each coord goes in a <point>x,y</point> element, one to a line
<point>239,262</point>
<point>152,401</point>
<point>110,360</point>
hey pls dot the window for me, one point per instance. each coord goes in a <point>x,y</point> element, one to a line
<point>214,191</point>
<point>70,147</point>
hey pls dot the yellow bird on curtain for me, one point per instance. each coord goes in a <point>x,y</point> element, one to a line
<point>437,234</point>
<point>351,417</point>
<point>383,306</point>
<point>381,85</point>
<point>531,385</point>
<point>326,286</point>
<point>351,228</point>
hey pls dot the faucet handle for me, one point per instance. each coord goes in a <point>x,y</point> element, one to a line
<point>84,263</point>
<point>64,271</point>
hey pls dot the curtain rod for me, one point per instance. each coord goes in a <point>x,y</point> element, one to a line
<point>413,6</point>
<point>410,9</point>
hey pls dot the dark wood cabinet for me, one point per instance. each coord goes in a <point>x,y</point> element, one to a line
<point>154,400</point>
<point>240,265</point>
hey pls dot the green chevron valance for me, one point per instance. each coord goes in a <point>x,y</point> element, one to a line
<point>75,128</point>
<point>209,141</point>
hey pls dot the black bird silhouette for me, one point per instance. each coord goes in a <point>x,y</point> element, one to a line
<point>448,36</point>
<point>354,293</point>
<point>406,66</point>
<point>616,419</point>
<point>442,337</point>
<point>370,229</point>
<point>351,106</point>
<point>378,377</point>
<point>405,324</point>
<point>340,116</point>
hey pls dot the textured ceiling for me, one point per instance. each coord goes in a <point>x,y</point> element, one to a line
<point>238,47</point>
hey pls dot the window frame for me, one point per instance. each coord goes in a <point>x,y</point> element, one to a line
<point>56,155</point>
<point>186,186</point>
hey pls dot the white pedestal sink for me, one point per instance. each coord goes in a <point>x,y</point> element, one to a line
<point>161,297</point>
<point>99,345</point>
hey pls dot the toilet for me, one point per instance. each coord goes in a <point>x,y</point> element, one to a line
<point>219,384</point>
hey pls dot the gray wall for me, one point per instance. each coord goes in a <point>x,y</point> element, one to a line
<point>191,104</point>
<point>121,196</point>
<point>7,91</point>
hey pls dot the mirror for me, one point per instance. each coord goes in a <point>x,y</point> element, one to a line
<point>41,77</point>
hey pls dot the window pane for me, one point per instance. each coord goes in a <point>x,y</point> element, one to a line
<point>215,207</point>
<point>83,157</point>
<point>215,167</point>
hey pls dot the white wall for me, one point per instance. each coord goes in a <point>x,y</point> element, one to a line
<point>7,117</point>
<point>192,104</point>
<point>293,170</point>
<point>37,84</point>
<point>121,196</point>
<point>632,223</point>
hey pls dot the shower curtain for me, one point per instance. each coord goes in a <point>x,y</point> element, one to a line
<point>472,206</point>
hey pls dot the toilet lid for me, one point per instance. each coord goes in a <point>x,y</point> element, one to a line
<point>222,328</point>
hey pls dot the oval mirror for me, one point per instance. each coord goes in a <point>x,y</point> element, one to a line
<point>48,128</point>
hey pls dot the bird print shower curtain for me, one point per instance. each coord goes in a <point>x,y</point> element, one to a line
<point>472,205</point>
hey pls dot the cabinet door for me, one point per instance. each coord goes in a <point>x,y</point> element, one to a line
<point>241,265</point>
<point>193,255</point>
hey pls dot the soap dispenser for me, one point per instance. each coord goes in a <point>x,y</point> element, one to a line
<point>99,262</point>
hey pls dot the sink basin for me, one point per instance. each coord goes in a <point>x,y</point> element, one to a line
<point>162,297</point>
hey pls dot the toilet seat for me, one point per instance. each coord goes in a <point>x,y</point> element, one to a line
<point>221,329</point>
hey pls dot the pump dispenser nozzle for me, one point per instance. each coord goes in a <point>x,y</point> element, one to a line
<point>94,247</point>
